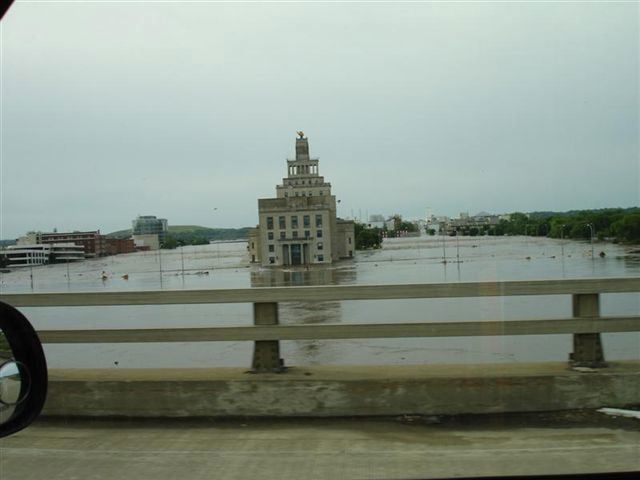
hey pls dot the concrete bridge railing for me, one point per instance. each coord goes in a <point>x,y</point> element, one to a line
<point>346,390</point>
<point>586,324</point>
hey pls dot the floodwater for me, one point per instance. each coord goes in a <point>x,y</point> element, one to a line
<point>406,260</point>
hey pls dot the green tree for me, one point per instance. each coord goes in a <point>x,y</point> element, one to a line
<point>627,228</point>
<point>170,242</point>
<point>622,224</point>
<point>367,237</point>
<point>408,226</point>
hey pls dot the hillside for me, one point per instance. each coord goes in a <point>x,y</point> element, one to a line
<point>184,232</point>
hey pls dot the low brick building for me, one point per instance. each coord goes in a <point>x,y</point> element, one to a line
<point>95,244</point>
<point>120,245</point>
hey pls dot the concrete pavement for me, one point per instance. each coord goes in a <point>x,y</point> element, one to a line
<point>357,448</point>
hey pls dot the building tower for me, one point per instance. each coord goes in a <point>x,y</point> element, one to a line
<point>300,226</point>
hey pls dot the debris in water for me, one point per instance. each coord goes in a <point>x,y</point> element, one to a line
<point>619,412</point>
<point>527,258</point>
<point>125,276</point>
<point>584,369</point>
<point>602,254</point>
<point>418,419</point>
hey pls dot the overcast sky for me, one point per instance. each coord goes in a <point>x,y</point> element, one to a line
<point>110,110</point>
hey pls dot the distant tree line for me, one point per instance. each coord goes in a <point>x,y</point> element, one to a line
<point>617,224</point>
<point>179,240</point>
<point>180,236</point>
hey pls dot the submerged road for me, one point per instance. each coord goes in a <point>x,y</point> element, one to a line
<point>404,447</point>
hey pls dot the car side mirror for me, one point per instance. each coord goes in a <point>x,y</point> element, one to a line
<point>23,372</point>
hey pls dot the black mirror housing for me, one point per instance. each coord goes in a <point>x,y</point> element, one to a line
<point>26,351</point>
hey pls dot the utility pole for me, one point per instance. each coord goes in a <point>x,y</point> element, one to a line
<point>160,261</point>
<point>590,225</point>
<point>217,244</point>
<point>444,250</point>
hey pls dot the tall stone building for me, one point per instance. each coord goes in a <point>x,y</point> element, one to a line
<point>300,226</point>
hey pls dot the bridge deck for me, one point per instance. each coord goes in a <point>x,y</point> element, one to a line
<point>413,447</point>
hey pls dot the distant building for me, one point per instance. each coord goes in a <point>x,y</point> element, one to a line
<point>42,254</point>
<point>30,238</point>
<point>390,224</point>
<point>376,221</point>
<point>482,222</point>
<point>147,242</point>
<point>93,242</point>
<point>120,245</point>
<point>300,226</point>
<point>150,225</point>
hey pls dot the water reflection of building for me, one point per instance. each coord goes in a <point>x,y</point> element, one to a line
<point>300,226</point>
<point>292,313</point>
<point>301,277</point>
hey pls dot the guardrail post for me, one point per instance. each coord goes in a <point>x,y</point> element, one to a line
<point>587,347</point>
<point>266,353</point>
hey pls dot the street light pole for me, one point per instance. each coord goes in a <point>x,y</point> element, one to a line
<point>444,251</point>
<point>217,243</point>
<point>160,265</point>
<point>562,240</point>
<point>590,225</point>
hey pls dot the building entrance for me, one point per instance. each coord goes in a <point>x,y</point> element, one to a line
<point>296,254</point>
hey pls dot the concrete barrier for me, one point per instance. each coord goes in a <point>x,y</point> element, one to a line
<point>341,391</point>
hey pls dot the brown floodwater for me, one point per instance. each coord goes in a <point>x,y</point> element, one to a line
<point>407,260</point>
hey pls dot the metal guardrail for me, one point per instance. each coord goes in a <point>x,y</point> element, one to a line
<point>585,325</point>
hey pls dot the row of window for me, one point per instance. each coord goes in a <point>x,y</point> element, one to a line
<point>319,246</point>
<point>283,235</point>
<point>302,182</point>
<point>319,257</point>
<point>282,222</point>
<point>303,194</point>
